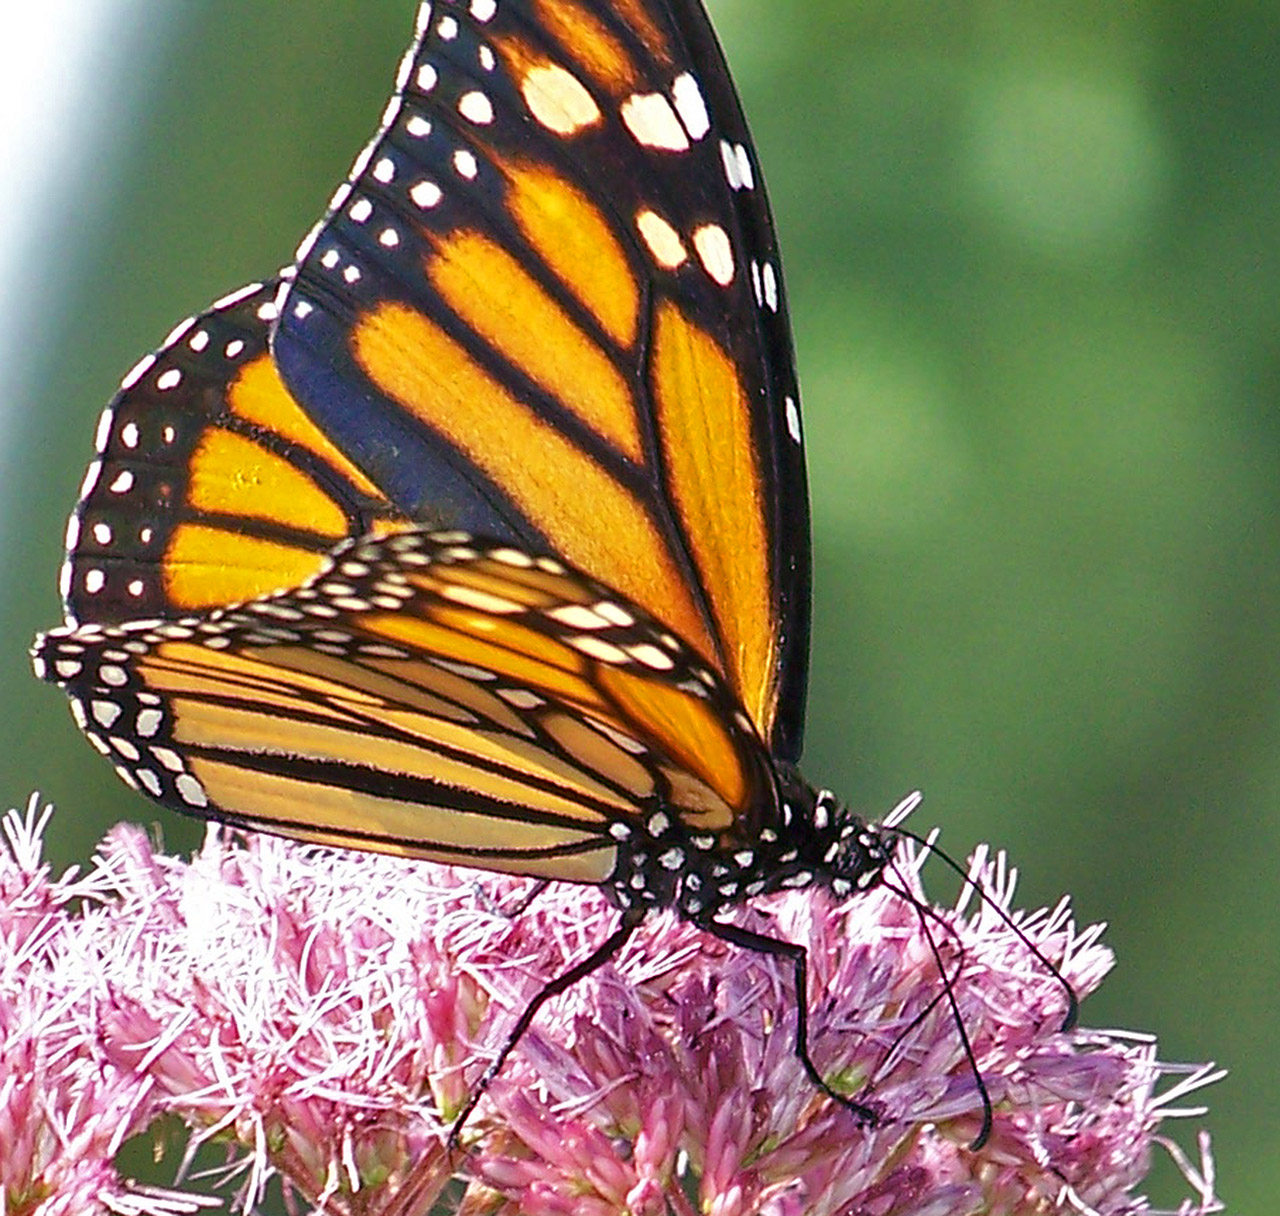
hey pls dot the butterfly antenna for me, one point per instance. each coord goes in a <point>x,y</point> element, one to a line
<point>948,992</point>
<point>1073,1001</point>
<point>906,1031</point>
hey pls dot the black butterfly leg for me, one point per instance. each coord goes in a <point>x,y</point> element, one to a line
<point>487,902</point>
<point>528,897</point>
<point>631,918</point>
<point>799,956</point>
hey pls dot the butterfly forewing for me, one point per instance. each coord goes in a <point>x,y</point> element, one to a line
<point>430,696</point>
<point>548,308</point>
<point>209,485</point>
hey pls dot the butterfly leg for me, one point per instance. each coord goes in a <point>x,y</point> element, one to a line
<point>528,897</point>
<point>631,918</point>
<point>521,905</point>
<point>799,958</point>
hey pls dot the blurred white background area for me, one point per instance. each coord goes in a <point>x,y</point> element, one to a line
<point>58,141</point>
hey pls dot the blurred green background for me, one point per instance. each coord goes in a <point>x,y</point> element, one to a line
<point>1033,252</point>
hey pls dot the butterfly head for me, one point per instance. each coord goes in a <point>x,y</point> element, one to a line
<point>826,843</point>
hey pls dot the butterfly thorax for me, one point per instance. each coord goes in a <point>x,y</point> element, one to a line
<point>810,839</point>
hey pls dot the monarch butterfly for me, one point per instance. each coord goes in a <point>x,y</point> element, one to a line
<point>481,534</point>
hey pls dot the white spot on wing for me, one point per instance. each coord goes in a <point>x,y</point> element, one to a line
<point>690,105</point>
<point>511,557</point>
<point>730,162</point>
<point>521,698</point>
<point>358,166</point>
<point>615,614</point>
<point>558,99</point>
<point>715,253</point>
<point>769,280</point>
<point>126,748</point>
<point>598,648</point>
<point>626,742</point>
<point>661,239</point>
<point>103,431</point>
<point>425,194</point>
<point>138,370</point>
<point>651,656</point>
<point>793,419</point>
<point>653,123</point>
<point>482,601</point>
<point>190,790</point>
<point>476,107</point>
<point>169,758</point>
<point>578,616</point>
<point>178,330</point>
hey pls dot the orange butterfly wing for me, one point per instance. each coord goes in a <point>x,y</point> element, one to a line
<point>209,484</point>
<point>431,696</point>
<point>547,308</point>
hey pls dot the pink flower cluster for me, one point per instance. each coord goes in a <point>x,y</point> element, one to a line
<point>323,1016</point>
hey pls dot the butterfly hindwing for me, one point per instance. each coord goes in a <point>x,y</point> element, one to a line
<point>209,485</point>
<point>428,695</point>
<point>547,308</point>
